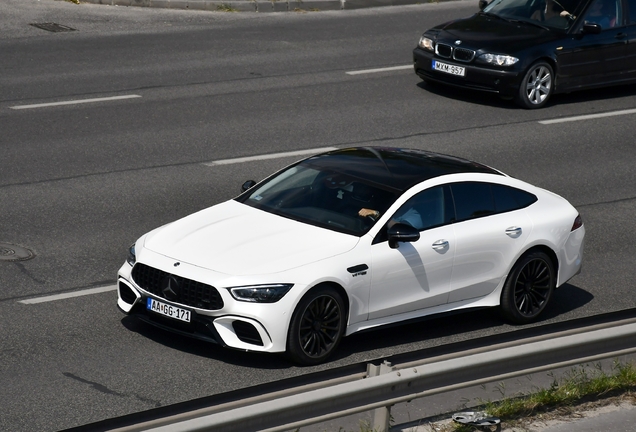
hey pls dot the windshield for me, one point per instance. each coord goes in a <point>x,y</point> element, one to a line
<point>553,14</point>
<point>321,197</point>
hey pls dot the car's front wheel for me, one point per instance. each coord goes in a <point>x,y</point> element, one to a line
<point>528,288</point>
<point>536,87</point>
<point>317,326</point>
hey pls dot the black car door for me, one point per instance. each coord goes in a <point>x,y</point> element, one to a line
<point>630,60</point>
<point>592,57</point>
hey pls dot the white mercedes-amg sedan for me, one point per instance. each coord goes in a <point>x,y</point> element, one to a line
<point>349,240</point>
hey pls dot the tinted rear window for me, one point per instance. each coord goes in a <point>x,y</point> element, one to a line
<point>474,199</point>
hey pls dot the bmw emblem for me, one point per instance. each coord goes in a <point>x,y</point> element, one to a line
<point>458,42</point>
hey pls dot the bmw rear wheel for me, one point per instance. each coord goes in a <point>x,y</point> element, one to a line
<point>317,326</point>
<point>536,87</point>
<point>529,288</point>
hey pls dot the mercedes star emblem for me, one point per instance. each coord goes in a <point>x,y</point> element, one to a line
<point>170,288</point>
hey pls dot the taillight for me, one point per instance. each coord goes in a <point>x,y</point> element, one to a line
<point>578,223</point>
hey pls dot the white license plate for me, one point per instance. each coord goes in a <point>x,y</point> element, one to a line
<point>449,69</point>
<point>168,310</point>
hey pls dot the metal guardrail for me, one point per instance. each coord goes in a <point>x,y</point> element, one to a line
<point>386,385</point>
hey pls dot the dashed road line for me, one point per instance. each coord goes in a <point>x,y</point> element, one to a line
<point>269,156</point>
<point>74,102</point>
<point>387,69</point>
<point>589,116</point>
<point>69,295</point>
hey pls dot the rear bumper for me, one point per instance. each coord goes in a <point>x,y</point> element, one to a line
<point>502,82</point>
<point>571,259</point>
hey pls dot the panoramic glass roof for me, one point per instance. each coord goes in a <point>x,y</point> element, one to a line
<point>394,168</point>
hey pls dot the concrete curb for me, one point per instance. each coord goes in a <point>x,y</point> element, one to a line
<point>257,5</point>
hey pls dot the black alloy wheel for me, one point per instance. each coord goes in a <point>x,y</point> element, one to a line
<point>536,87</point>
<point>528,288</point>
<point>317,326</point>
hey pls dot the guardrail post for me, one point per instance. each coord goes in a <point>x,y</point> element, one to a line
<point>381,416</point>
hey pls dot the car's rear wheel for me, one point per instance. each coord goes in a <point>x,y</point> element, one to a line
<point>317,326</point>
<point>529,288</point>
<point>536,87</point>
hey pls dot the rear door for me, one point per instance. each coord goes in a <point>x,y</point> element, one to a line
<point>491,229</point>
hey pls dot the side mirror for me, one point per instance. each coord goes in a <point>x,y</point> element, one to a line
<point>248,185</point>
<point>591,28</point>
<point>483,4</point>
<point>402,233</point>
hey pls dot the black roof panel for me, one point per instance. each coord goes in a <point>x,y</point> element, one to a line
<point>394,168</point>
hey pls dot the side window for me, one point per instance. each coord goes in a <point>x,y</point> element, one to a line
<point>632,11</point>
<point>427,209</point>
<point>606,13</point>
<point>472,200</point>
<point>508,198</point>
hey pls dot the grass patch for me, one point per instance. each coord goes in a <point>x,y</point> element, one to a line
<point>223,7</point>
<point>582,384</point>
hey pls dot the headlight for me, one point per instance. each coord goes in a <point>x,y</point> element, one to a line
<point>426,43</point>
<point>261,293</point>
<point>132,258</point>
<point>498,59</point>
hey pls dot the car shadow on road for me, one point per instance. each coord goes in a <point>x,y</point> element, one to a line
<point>205,349</point>
<point>424,333</point>
<point>467,95</point>
<point>465,327</point>
<point>490,99</point>
<point>599,94</point>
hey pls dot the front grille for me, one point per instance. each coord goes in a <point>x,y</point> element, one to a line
<point>180,290</point>
<point>456,53</point>
<point>463,54</point>
<point>444,50</point>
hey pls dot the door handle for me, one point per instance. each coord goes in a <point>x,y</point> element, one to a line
<point>514,232</point>
<point>440,245</point>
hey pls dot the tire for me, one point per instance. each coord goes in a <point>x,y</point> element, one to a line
<point>536,87</point>
<point>529,288</point>
<point>317,326</point>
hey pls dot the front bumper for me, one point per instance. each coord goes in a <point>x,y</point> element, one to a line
<point>502,82</point>
<point>239,325</point>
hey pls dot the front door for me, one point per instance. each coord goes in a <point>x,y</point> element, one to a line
<point>595,59</point>
<point>415,275</point>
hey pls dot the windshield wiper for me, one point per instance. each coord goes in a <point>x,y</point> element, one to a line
<point>492,15</point>
<point>536,24</point>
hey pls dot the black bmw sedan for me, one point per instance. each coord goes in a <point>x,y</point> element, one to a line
<point>530,49</point>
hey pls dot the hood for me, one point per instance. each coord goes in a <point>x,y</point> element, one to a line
<point>482,32</point>
<point>236,239</point>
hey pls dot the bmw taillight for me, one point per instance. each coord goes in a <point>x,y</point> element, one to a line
<point>578,223</point>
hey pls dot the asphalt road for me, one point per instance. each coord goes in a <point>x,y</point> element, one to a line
<point>80,182</point>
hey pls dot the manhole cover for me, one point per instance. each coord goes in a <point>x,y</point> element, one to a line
<point>10,252</point>
<point>53,27</point>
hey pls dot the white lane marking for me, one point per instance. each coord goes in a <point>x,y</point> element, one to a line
<point>269,156</point>
<point>73,102</point>
<point>589,116</point>
<point>69,295</point>
<point>367,71</point>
